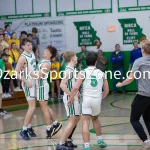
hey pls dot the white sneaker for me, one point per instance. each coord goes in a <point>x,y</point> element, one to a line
<point>8,95</point>
<point>146,145</point>
<point>4,95</point>
<point>17,89</point>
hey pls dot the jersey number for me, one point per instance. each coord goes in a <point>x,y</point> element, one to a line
<point>93,81</point>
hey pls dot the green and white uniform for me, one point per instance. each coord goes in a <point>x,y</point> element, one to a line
<point>31,66</point>
<point>42,85</point>
<point>73,109</point>
<point>91,92</point>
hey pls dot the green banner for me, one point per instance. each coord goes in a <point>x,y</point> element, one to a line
<point>25,16</point>
<point>86,33</point>
<point>131,31</point>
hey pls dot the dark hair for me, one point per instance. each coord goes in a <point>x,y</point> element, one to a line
<point>84,46</point>
<point>24,41</point>
<point>6,26</point>
<point>23,32</point>
<point>29,35</point>
<point>52,50</point>
<point>34,30</point>
<point>2,35</point>
<point>12,44</point>
<point>91,58</point>
<point>12,34</point>
<point>1,29</point>
<point>5,49</point>
<point>117,45</point>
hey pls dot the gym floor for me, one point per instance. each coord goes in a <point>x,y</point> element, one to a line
<point>117,131</point>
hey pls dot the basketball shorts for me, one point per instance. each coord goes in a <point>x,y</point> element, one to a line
<point>42,92</point>
<point>73,109</point>
<point>90,105</point>
<point>30,93</point>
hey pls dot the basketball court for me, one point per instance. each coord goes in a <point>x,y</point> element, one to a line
<point>116,128</point>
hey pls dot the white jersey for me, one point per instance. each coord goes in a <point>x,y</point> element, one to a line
<point>93,82</point>
<point>30,61</point>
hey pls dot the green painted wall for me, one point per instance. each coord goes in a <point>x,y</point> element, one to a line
<point>132,86</point>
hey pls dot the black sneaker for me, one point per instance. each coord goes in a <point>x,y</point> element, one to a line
<point>50,133</point>
<point>24,134</point>
<point>31,132</point>
<point>57,127</point>
<point>63,147</point>
<point>70,144</point>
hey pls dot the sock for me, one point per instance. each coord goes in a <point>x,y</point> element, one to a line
<point>86,145</point>
<point>48,127</point>
<point>99,137</point>
<point>70,136</point>
<point>25,128</point>
<point>55,122</point>
<point>29,125</point>
<point>61,143</point>
<point>146,141</point>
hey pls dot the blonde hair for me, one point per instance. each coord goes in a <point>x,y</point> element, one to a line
<point>68,55</point>
<point>146,46</point>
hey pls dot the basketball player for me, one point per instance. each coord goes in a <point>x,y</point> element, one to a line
<point>141,103</point>
<point>27,61</point>
<point>92,80</point>
<point>73,111</point>
<point>42,90</point>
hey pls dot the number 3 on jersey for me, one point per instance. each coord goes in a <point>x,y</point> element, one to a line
<point>93,81</point>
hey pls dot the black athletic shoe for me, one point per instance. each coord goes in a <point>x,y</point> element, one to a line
<point>57,127</point>
<point>63,147</point>
<point>31,132</point>
<point>24,134</point>
<point>70,144</point>
<point>50,133</point>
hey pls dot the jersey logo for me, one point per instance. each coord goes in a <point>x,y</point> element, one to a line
<point>93,81</point>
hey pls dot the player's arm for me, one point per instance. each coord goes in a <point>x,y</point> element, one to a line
<point>127,81</point>
<point>44,70</point>
<point>106,88</point>
<point>20,64</point>
<point>63,84</point>
<point>76,87</point>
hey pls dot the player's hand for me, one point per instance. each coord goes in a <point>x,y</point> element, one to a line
<point>119,84</point>
<point>29,84</point>
<point>68,102</point>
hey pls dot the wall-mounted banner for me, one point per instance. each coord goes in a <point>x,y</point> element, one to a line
<point>51,31</point>
<point>131,31</point>
<point>86,33</point>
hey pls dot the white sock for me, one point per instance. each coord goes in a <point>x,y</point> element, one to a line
<point>55,122</point>
<point>29,125</point>
<point>61,143</point>
<point>86,145</point>
<point>25,128</point>
<point>48,127</point>
<point>146,141</point>
<point>99,137</point>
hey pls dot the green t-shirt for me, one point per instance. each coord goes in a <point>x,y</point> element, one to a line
<point>83,60</point>
<point>2,69</point>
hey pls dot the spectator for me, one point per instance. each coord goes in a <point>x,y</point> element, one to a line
<point>13,82</point>
<point>23,35</point>
<point>36,42</point>
<point>7,30</point>
<point>6,39</point>
<point>117,65</point>
<point>82,58</point>
<point>1,31</point>
<point>2,68</point>
<point>55,78</point>
<point>6,82</point>
<point>101,61</point>
<point>14,40</point>
<point>1,50</point>
<point>2,42</point>
<point>98,43</point>
<point>63,63</point>
<point>29,36</point>
<point>135,54</point>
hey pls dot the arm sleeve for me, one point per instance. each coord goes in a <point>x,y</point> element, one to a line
<point>135,66</point>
